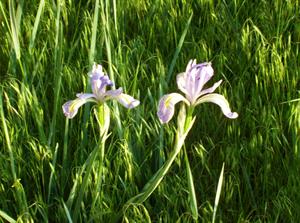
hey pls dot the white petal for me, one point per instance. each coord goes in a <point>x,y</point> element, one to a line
<point>85,95</point>
<point>70,108</point>
<point>127,101</point>
<point>219,100</point>
<point>166,106</point>
<point>211,89</point>
<point>181,82</point>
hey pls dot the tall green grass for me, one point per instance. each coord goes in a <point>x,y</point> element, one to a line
<point>47,168</point>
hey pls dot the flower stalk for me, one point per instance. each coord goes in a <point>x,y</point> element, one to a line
<point>185,124</point>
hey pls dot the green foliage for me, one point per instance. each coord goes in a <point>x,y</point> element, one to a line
<point>46,51</point>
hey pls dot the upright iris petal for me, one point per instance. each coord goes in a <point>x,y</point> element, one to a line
<point>99,82</point>
<point>191,83</point>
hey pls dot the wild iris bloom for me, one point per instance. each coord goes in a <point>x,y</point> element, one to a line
<point>191,83</point>
<point>99,82</point>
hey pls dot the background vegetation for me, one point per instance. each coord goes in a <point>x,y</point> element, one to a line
<point>47,48</point>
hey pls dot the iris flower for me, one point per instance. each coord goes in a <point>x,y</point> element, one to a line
<point>191,83</point>
<point>99,82</point>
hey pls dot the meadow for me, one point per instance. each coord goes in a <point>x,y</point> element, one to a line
<point>54,169</point>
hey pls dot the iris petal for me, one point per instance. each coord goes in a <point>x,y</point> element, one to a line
<point>113,93</point>
<point>211,89</point>
<point>99,85</point>
<point>193,79</point>
<point>167,104</point>
<point>221,102</point>
<point>200,75</point>
<point>99,81</point>
<point>127,101</point>
<point>70,108</point>
<point>97,71</point>
<point>181,82</point>
<point>85,95</point>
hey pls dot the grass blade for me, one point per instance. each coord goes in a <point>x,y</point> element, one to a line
<point>57,72</point>
<point>192,194</point>
<point>52,166</point>
<point>7,217</point>
<point>94,34</point>
<point>178,48</point>
<point>14,29</point>
<point>67,212</point>
<point>36,24</point>
<point>219,188</point>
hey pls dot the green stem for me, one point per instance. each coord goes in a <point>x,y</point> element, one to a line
<point>185,123</point>
<point>189,117</point>
<point>158,177</point>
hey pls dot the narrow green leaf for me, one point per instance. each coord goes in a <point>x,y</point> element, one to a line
<point>192,193</point>
<point>14,31</point>
<point>7,217</point>
<point>160,174</point>
<point>178,48</point>
<point>52,167</point>
<point>36,24</point>
<point>67,212</point>
<point>94,34</point>
<point>219,188</point>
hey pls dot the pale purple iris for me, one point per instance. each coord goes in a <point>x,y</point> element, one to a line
<point>191,83</point>
<point>99,82</point>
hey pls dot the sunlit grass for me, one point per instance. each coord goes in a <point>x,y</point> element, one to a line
<point>46,50</point>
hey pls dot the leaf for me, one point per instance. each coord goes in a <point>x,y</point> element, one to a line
<point>219,188</point>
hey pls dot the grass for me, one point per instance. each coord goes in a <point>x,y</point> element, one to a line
<point>46,51</point>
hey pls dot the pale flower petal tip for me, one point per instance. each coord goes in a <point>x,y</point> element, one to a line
<point>133,104</point>
<point>232,115</point>
<point>97,70</point>
<point>69,109</point>
<point>127,101</point>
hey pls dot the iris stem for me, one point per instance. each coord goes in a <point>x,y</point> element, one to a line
<point>159,175</point>
<point>189,117</point>
<point>103,119</point>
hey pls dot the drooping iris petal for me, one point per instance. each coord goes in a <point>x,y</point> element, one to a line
<point>219,100</point>
<point>127,101</point>
<point>167,104</point>
<point>70,108</point>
